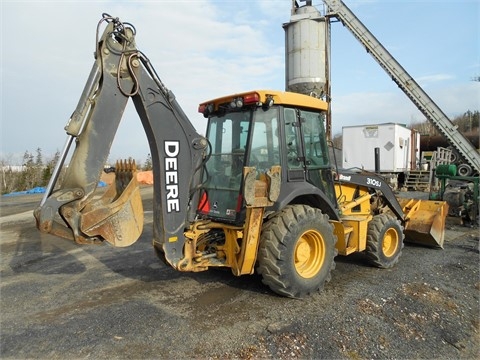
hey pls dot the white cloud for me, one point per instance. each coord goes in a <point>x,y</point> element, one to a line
<point>427,79</point>
<point>201,49</point>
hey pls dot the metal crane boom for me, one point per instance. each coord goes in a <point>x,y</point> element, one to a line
<point>337,9</point>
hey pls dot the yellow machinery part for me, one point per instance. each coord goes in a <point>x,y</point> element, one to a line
<point>310,254</point>
<point>425,221</point>
<point>241,243</point>
<point>355,209</point>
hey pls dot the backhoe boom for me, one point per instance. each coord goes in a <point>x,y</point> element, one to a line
<point>121,72</point>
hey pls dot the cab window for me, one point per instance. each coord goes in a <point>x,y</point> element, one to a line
<point>314,139</point>
<point>264,142</point>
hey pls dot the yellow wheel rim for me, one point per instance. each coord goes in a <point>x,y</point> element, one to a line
<point>309,254</point>
<point>390,242</point>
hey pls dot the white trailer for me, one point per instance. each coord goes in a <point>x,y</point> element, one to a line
<point>398,148</point>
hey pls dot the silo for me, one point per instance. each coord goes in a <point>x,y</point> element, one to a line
<point>305,51</point>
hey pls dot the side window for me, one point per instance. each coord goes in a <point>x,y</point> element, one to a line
<point>292,139</point>
<point>316,150</point>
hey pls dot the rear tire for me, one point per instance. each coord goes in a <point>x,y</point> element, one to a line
<point>384,241</point>
<point>296,252</point>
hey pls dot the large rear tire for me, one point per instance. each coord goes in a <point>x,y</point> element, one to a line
<point>384,241</point>
<point>296,252</point>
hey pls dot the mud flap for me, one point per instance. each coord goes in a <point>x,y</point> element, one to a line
<point>425,221</point>
<point>117,216</point>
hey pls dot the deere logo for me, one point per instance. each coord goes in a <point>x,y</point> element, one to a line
<point>172,148</point>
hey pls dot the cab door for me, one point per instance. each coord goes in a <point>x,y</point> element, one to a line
<point>307,150</point>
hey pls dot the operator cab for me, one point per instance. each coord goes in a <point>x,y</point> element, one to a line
<point>261,129</point>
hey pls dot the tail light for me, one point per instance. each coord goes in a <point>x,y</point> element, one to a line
<point>204,204</point>
<point>205,109</point>
<point>239,203</point>
<point>251,98</point>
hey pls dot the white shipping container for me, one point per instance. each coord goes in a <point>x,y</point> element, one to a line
<point>399,147</point>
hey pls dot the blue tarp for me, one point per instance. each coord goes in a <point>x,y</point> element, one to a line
<point>36,190</point>
<point>40,190</point>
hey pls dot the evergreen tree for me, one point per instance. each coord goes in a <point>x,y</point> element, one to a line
<point>148,163</point>
<point>39,158</point>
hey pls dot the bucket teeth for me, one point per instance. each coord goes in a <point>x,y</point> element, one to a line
<point>124,172</point>
<point>126,165</point>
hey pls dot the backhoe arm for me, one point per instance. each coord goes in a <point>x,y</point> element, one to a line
<point>70,209</point>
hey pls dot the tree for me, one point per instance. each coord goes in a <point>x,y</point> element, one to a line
<point>148,163</point>
<point>7,175</point>
<point>467,122</point>
<point>48,169</point>
<point>337,140</point>
<point>39,158</point>
<point>34,172</point>
<point>26,176</point>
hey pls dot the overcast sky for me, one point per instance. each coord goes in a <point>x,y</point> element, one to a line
<point>203,49</point>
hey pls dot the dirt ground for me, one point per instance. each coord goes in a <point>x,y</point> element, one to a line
<point>60,300</point>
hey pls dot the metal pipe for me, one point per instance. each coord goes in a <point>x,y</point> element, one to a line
<point>377,160</point>
<point>57,169</point>
<point>355,202</point>
<point>76,121</point>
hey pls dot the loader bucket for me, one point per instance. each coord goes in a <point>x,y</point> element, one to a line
<point>117,216</point>
<point>425,223</point>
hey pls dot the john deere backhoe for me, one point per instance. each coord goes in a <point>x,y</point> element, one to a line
<point>258,192</point>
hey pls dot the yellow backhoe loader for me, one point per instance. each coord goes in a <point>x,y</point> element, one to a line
<point>257,192</point>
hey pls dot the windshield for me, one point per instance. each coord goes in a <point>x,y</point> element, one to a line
<point>228,137</point>
<point>264,141</point>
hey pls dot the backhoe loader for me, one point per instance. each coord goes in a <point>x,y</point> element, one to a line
<point>258,192</point>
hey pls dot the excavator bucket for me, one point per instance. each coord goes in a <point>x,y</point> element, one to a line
<point>117,216</point>
<point>425,221</point>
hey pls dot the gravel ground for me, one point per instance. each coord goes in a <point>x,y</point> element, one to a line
<point>60,300</point>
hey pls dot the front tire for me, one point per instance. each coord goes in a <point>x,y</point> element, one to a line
<point>296,252</point>
<point>384,241</point>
